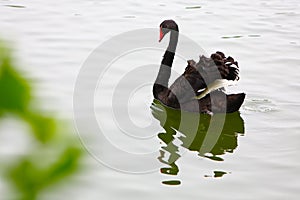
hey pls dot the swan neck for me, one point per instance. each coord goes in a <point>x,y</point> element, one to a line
<point>173,41</point>
<point>162,79</point>
<point>170,52</point>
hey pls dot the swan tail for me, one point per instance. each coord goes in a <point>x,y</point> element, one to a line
<point>234,102</point>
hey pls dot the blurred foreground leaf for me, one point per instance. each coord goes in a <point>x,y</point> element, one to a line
<point>14,90</point>
<point>30,179</point>
<point>54,155</point>
<point>43,127</point>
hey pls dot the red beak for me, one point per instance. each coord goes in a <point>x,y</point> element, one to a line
<point>161,34</point>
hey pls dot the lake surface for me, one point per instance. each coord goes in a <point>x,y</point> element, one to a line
<point>256,157</point>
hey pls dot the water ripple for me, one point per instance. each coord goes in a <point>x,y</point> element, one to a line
<point>260,105</point>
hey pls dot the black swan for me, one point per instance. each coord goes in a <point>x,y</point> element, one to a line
<point>197,76</point>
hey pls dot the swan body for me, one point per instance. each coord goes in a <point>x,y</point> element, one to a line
<point>198,88</point>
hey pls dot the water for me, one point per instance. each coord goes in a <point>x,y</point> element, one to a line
<point>52,42</point>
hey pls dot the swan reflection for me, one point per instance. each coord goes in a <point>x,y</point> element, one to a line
<point>209,136</point>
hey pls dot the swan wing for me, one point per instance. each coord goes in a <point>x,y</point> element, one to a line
<point>217,84</point>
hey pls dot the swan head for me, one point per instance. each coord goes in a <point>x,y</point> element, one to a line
<point>165,27</point>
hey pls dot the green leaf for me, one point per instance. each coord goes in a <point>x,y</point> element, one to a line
<point>14,90</point>
<point>43,127</point>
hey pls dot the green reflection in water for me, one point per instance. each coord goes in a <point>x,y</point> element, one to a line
<point>15,6</point>
<point>172,182</point>
<point>217,174</point>
<point>230,37</point>
<point>176,137</point>
<point>192,7</point>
